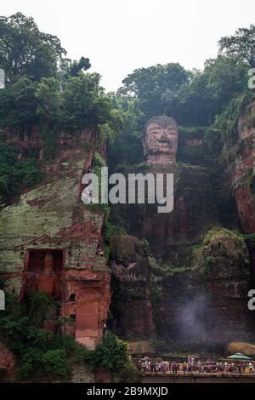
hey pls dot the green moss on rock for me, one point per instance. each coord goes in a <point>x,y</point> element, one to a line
<point>223,253</point>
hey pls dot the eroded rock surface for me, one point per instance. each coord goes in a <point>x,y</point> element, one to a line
<point>51,242</point>
<point>131,301</point>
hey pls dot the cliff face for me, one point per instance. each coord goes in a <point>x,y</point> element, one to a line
<point>191,284</point>
<point>242,169</point>
<point>171,234</point>
<point>131,302</point>
<point>51,242</point>
<point>199,272</point>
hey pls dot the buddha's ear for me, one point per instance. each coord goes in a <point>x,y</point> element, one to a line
<point>144,139</point>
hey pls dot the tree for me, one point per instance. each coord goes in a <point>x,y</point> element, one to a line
<point>150,85</point>
<point>126,147</point>
<point>69,68</point>
<point>240,46</point>
<point>18,106</point>
<point>25,51</point>
<point>191,97</point>
<point>84,103</point>
<point>15,175</point>
<point>49,102</point>
<point>111,354</point>
<point>82,65</point>
<point>198,101</point>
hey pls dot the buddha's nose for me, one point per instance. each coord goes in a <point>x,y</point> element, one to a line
<point>164,137</point>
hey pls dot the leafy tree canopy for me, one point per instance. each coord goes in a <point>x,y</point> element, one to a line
<point>151,84</point>
<point>25,50</point>
<point>241,45</point>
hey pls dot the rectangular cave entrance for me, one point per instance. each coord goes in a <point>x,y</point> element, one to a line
<point>43,272</point>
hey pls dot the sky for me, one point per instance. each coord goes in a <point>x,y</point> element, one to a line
<point>119,36</point>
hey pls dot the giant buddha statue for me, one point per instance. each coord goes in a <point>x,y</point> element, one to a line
<point>160,141</point>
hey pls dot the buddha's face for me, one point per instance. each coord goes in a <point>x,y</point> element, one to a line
<point>158,136</point>
<point>160,143</point>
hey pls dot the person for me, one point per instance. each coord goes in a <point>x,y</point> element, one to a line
<point>184,367</point>
<point>225,367</point>
<point>250,368</point>
<point>175,367</point>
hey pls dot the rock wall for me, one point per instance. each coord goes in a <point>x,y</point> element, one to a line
<point>51,242</point>
<point>131,302</point>
<point>200,272</point>
<point>205,302</point>
<point>242,169</point>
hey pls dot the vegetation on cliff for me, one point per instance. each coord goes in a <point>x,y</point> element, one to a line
<point>15,174</point>
<point>222,253</point>
<point>44,355</point>
<point>46,92</point>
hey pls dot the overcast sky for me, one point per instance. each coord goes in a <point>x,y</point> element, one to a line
<point>121,35</point>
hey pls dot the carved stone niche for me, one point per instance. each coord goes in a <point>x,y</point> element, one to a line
<point>86,303</point>
<point>43,272</point>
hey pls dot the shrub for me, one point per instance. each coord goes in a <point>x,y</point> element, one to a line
<point>38,305</point>
<point>129,373</point>
<point>113,229</point>
<point>55,364</point>
<point>111,354</point>
<point>31,364</point>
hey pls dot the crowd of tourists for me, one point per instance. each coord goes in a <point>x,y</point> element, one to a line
<point>193,365</point>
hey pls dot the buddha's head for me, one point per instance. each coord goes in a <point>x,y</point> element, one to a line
<point>160,140</point>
